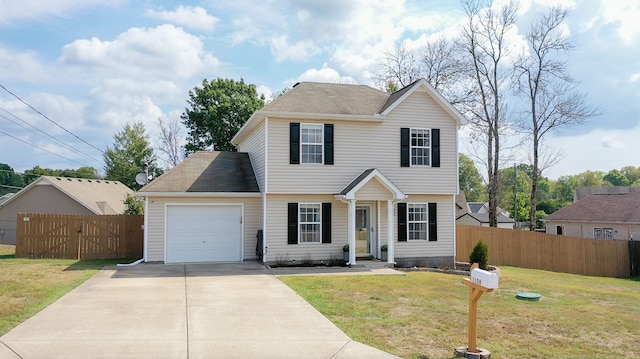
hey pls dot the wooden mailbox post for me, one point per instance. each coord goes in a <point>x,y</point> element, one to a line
<point>481,282</point>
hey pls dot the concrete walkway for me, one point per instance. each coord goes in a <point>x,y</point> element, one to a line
<point>182,311</point>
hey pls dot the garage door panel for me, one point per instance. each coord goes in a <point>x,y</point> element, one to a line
<point>203,233</point>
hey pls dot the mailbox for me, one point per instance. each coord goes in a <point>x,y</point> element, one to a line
<point>484,278</point>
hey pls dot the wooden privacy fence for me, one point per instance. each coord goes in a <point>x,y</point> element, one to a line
<point>596,257</point>
<point>79,236</point>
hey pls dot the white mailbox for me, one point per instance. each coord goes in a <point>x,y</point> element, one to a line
<point>484,278</point>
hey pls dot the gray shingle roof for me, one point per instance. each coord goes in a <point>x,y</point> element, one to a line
<point>356,181</point>
<point>484,217</point>
<point>208,172</point>
<point>582,192</point>
<point>622,208</point>
<point>326,98</point>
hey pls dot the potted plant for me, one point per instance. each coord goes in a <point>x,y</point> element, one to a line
<point>383,250</point>
<point>345,252</point>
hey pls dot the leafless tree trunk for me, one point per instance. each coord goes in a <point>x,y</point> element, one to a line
<point>170,142</point>
<point>542,79</point>
<point>484,41</point>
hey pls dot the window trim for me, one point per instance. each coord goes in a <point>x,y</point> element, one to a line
<point>318,223</point>
<point>302,143</point>
<point>425,222</point>
<point>428,149</point>
<point>606,231</point>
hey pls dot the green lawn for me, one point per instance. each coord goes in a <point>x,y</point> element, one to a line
<point>29,285</point>
<point>424,314</point>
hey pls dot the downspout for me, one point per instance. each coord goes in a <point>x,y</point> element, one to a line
<point>144,236</point>
<point>264,191</point>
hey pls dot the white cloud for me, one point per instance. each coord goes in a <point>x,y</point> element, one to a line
<point>37,9</point>
<point>325,74</point>
<point>266,91</point>
<point>193,17</point>
<point>161,52</point>
<point>625,13</point>
<point>611,141</point>
<point>22,66</point>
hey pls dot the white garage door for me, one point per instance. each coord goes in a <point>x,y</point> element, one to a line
<point>204,233</point>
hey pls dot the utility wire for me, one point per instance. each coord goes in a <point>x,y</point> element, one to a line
<point>40,148</point>
<point>45,116</point>
<point>60,142</point>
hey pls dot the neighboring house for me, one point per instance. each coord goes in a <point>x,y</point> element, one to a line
<point>321,166</point>
<point>585,191</point>
<point>599,216</point>
<point>477,214</point>
<point>61,195</point>
<point>482,220</point>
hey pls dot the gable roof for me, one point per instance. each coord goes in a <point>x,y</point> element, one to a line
<point>99,196</point>
<point>315,100</point>
<point>204,171</point>
<point>613,208</point>
<point>484,217</point>
<point>350,190</point>
<point>584,191</point>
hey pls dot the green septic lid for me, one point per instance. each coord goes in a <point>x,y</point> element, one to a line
<point>532,297</point>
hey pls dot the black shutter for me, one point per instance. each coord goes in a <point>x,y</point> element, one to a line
<point>435,147</point>
<point>294,143</point>
<point>328,144</point>
<point>326,223</point>
<point>404,147</point>
<point>402,222</point>
<point>433,222</point>
<point>292,230</point>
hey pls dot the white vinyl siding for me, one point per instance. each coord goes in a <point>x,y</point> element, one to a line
<point>254,145</point>
<point>155,212</point>
<point>361,145</point>
<point>276,230</point>
<point>445,245</point>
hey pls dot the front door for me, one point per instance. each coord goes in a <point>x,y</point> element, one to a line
<point>363,230</point>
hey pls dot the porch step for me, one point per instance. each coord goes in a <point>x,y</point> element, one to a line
<point>363,257</point>
<point>371,263</point>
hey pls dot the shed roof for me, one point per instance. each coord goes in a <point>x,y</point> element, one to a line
<point>207,171</point>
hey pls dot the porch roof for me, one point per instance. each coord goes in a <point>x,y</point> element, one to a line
<point>349,192</point>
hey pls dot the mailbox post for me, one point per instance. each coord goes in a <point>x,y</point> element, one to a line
<point>481,282</point>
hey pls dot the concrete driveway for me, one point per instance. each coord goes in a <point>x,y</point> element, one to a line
<point>182,311</point>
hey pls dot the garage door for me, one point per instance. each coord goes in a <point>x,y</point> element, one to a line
<point>204,233</point>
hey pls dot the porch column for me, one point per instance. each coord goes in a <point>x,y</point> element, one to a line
<point>390,249</point>
<point>352,231</point>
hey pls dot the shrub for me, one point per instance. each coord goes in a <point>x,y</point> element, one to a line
<point>480,255</point>
<point>384,248</point>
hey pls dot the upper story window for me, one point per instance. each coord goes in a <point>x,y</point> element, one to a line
<point>311,142</point>
<point>419,147</point>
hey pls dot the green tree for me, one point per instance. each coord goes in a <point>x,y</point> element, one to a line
<point>134,205</point>
<point>31,175</point>
<point>617,178</point>
<point>515,185</point>
<point>10,181</point>
<point>130,153</point>
<point>216,112</point>
<point>470,180</point>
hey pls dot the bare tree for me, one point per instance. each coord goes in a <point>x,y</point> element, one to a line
<point>170,141</point>
<point>484,41</point>
<point>400,67</point>
<point>442,65</point>
<point>552,96</point>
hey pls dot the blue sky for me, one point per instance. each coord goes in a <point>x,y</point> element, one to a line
<point>93,65</point>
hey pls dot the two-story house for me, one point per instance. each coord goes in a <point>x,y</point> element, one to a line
<point>322,166</point>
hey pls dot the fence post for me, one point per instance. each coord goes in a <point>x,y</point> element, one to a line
<point>634,258</point>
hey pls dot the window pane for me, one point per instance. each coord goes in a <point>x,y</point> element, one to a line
<point>420,146</point>
<point>310,223</point>
<point>417,221</point>
<point>311,143</point>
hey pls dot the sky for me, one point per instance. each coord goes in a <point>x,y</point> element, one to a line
<point>74,72</point>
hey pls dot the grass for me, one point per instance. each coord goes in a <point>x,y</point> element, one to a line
<point>29,285</point>
<point>424,314</point>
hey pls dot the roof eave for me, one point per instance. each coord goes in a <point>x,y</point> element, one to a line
<point>198,194</point>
